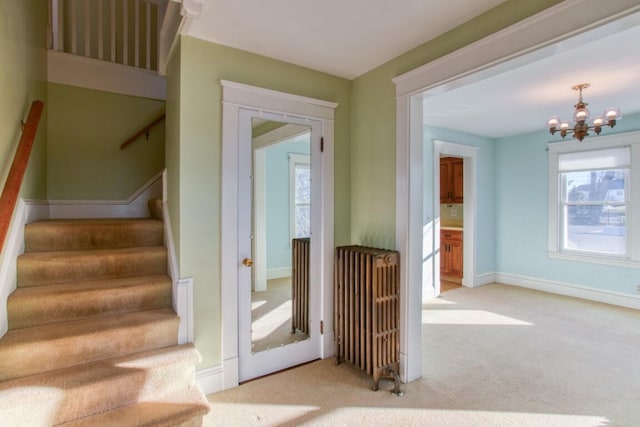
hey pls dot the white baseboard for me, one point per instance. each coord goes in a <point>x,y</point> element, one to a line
<point>572,290</point>
<point>133,207</point>
<point>484,279</point>
<point>278,273</point>
<point>211,379</point>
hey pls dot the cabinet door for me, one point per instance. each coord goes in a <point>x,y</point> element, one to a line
<point>457,188</point>
<point>445,256</point>
<point>455,258</point>
<point>451,253</point>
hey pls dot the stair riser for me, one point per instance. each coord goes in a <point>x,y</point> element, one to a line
<point>55,236</point>
<point>40,356</point>
<point>129,387</point>
<point>38,271</point>
<point>34,310</point>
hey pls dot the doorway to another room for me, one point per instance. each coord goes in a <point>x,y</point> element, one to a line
<point>451,222</point>
<point>454,206</point>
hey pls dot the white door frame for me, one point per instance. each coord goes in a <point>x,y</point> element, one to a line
<point>542,35</point>
<point>470,156</point>
<point>234,97</point>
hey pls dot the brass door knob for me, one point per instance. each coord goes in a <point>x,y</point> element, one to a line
<point>248,262</point>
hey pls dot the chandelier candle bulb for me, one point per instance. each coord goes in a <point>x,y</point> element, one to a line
<point>580,116</point>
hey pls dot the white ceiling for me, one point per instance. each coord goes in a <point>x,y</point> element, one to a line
<point>347,38</point>
<point>520,100</point>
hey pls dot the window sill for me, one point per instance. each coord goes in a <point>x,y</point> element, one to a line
<point>595,259</point>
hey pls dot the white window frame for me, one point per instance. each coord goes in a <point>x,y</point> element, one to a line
<point>295,159</point>
<point>632,258</point>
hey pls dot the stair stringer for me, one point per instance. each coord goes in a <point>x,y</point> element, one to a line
<point>13,247</point>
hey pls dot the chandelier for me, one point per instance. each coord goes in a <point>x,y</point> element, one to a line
<point>580,116</point>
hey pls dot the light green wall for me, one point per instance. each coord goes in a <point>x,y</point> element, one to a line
<point>201,66</point>
<point>85,130</point>
<point>373,121</point>
<point>23,75</point>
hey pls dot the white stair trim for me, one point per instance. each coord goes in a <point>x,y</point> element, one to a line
<point>133,207</point>
<point>13,247</point>
<point>75,70</point>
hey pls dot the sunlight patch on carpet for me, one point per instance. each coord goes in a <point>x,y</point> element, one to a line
<point>468,317</point>
<point>17,404</point>
<point>257,304</point>
<point>278,415</point>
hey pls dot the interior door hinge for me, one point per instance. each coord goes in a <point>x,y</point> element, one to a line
<point>322,144</point>
<point>321,327</point>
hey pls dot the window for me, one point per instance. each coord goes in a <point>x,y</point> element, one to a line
<point>300,195</point>
<point>591,199</point>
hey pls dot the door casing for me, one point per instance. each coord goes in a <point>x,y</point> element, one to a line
<point>236,96</point>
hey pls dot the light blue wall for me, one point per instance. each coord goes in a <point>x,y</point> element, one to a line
<point>486,188</point>
<point>277,195</point>
<point>521,216</point>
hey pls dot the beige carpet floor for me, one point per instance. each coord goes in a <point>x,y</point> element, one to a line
<point>493,356</point>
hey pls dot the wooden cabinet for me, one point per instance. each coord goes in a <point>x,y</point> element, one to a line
<point>451,186</point>
<point>451,253</point>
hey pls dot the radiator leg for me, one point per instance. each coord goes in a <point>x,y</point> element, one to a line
<point>389,374</point>
<point>396,381</point>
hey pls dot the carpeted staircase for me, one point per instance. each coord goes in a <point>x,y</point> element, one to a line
<point>92,337</point>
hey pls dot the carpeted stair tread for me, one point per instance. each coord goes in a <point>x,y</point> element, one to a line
<point>92,334</point>
<point>40,305</point>
<point>34,350</point>
<point>47,268</point>
<point>68,234</point>
<point>184,409</point>
<point>96,387</point>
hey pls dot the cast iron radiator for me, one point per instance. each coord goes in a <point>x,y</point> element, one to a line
<point>300,285</point>
<point>367,311</point>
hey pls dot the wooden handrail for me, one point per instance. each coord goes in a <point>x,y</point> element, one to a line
<point>18,168</point>
<point>143,131</point>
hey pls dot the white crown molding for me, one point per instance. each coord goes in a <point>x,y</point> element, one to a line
<point>191,8</point>
<point>529,35</point>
